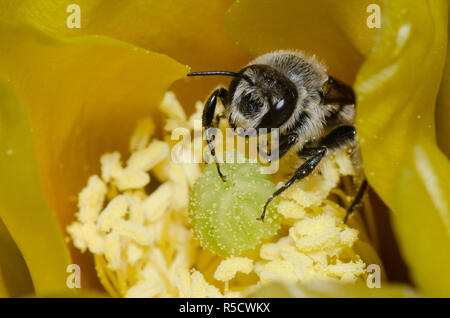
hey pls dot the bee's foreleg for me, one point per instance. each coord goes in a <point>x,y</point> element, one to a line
<point>220,117</point>
<point>207,122</point>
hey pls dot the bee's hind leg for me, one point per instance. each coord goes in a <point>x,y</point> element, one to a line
<point>356,200</point>
<point>339,137</point>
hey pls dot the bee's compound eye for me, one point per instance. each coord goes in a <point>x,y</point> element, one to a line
<point>282,110</point>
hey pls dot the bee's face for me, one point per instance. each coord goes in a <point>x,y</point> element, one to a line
<point>264,98</point>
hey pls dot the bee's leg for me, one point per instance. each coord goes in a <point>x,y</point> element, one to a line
<point>207,122</point>
<point>337,138</point>
<point>285,143</point>
<point>357,199</point>
<point>304,170</point>
<point>220,117</point>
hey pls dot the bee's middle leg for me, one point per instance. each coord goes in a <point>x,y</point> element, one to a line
<point>304,170</point>
<point>337,138</point>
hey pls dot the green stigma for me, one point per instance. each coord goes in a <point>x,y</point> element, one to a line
<point>224,214</point>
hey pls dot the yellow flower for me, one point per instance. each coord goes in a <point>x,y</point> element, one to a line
<point>144,246</point>
<point>70,95</point>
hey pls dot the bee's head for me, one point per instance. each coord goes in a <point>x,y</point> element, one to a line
<point>261,97</point>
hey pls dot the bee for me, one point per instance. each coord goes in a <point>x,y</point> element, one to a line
<point>292,92</point>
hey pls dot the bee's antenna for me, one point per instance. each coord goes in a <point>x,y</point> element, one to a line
<point>222,73</point>
<point>210,73</point>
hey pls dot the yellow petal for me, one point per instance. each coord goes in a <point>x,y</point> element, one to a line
<point>333,30</point>
<point>72,293</point>
<point>422,218</point>
<point>332,290</point>
<point>192,32</point>
<point>14,276</point>
<point>351,18</point>
<point>396,100</point>
<point>23,209</point>
<point>396,95</point>
<point>443,106</point>
<point>82,96</point>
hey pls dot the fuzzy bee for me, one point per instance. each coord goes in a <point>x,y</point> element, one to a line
<point>288,90</point>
